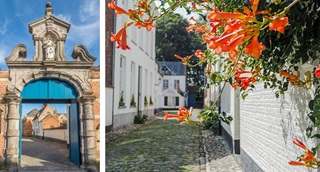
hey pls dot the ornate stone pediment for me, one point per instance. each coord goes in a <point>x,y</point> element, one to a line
<point>49,35</point>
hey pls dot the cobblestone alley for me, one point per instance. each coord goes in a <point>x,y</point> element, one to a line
<point>167,146</point>
<point>42,155</point>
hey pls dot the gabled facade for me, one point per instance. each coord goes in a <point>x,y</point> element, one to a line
<point>62,117</point>
<point>27,122</point>
<point>131,83</point>
<point>46,118</point>
<point>173,85</point>
<point>50,121</point>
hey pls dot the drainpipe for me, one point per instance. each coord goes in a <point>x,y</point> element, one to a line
<point>219,103</point>
<point>113,67</point>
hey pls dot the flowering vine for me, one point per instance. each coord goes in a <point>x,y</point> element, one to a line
<point>255,41</point>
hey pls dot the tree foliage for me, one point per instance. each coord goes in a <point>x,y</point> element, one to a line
<point>172,38</point>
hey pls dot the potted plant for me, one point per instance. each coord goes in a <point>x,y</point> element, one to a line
<point>145,101</point>
<point>121,101</point>
<point>132,102</point>
<point>151,102</point>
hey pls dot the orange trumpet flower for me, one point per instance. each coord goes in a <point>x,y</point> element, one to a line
<point>307,159</point>
<point>118,10</point>
<point>183,59</point>
<point>254,48</point>
<point>121,38</point>
<point>293,79</point>
<point>216,15</point>
<point>299,163</point>
<point>183,114</point>
<point>279,24</point>
<point>200,55</point>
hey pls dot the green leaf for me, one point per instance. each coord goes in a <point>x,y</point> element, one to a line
<point>316,136</point>
<point>311,104</point>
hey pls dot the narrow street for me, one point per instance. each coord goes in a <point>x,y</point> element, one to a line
<point>167,146</point>
<point>43,155</point>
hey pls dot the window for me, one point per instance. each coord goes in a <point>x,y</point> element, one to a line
<point>152,44</point>
<point>165,84</point>
<point>133,78</point>
<point>177,85</point>
<point>166,101</point>
<point>134,34</point>
<point>122,77</point>
<point>151,83</point>
<point>141,38</point>
<point>177,101</point>
<point>146,83</point>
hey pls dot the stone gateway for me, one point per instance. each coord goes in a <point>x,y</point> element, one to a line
<point>49,64</point>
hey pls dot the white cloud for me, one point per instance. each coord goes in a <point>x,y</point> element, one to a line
<point>89,9</point>
<point>3,26</point>
<point>66,18</point>
<point>86,34</point>
<point>3,54</point>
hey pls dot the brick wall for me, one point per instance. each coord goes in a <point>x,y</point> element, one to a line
<point>50,122</point>
<point>268,126</point>
<point>4,75</point>
<point>27,126</point>
<point>94,80</point>
<point>109,45</point>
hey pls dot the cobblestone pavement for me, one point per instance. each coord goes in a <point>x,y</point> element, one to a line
<point>42,155</point>
<point>166,146</point>
<point>160,146</point>
<point>219,157</point>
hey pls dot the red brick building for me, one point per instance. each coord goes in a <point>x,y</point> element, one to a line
<point>27,122</point>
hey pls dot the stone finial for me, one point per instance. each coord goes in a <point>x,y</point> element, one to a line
<point>80,53</point>
<point>49,10</point>
<point>18,54</point>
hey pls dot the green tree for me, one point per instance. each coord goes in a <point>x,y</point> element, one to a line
<point>172,38</point>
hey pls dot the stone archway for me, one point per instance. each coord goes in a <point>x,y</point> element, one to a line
<point>75,73</point>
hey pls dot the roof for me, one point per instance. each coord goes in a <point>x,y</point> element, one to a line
<point>32,113</point>
<point>47,116</point>
<point>59,114</point>
<point>173,68</point>
<point>171,93</point>
<point>40,112</point>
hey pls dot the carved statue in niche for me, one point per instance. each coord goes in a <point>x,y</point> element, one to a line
<point>49,47</point>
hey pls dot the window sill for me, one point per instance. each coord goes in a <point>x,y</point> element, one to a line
<point>122,107</point>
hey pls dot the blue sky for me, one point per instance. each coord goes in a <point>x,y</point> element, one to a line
<point>15,15</point>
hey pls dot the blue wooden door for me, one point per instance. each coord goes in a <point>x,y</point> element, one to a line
<point>74,144</point>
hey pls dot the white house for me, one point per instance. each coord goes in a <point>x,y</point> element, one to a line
<point>173,84</point>
<point>264,126</point>
<point>133,73</point>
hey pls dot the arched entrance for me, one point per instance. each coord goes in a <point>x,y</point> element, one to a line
<point>55,91</point>
<point>49,77</point>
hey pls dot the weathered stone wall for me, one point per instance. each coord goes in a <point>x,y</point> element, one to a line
<point>94,80</point>
<point>268,126</point>
<point>4,80</point>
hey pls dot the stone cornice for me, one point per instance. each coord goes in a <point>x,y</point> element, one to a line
<point>54,64</point>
